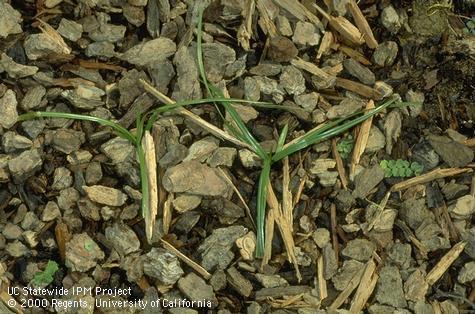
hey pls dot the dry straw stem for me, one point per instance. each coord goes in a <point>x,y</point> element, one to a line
<point>196,267</point>
<point>339,165</point>
<point>322,283</point>
<point>365,288</point>
<point>358,56</point>
<point>269,236</point>
<point>361,140</point>
<point>313,69</point>
<point>193,117</point>
<point>428,177</point>
<point>444,263</point>
<point>325,44</point>
<point>358,88</point>
<point>333,223</point>
<point>55,36</point>
<point>421,249</point>
<point>245,30</point>
<point>167,213</point>
<point>362,24</point>
<point>269,27</point>
<point>151,166</point>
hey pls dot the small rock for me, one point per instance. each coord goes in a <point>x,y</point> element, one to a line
<point>134,15</point>
<point>162,73</point>
<point>129,86</point>
<point>67,140</point>
<point>218,280</point>
<point>100,49</point>
<point>330,265</point>
<point>247,246</point>
<point>454,190</point>
<point>89,210</point>
<point>415,287</point>
<point>249,159</point>
<point>106,32</point>
<point>33,128</point>
<point>16,248</point>
<point>13,142</point>
<point>415,97</point>
<point>217,57</point>
<point>448,307</point>
<point>174,155</point>
<point>292,80</point>
<point>346,107</point>
<point>281,49</point>
<point>155,50</point>
<point>195,178</point>
<point>445,148</point>
<point>216,249</point>
<point>33,98</point>
<point>38,46</point>
<point>138,3</point>
<point>52,3</point>
<point>321,236</point>
<point>381,309</point>
<point>186,202</point>
<point>8,110</point>
<point>31,222</point>
<point>376,140</point>
<point>269,87</point>
<point>306,34</point>
<point>320,169</point>
<point>389,287</point>
<point>188,85</point>
<point>15,70</point>
<point>10,20</point>
<point>123,239</point>
<point>385,54</point>
<point>463,208</point>
<point>25,165</point>
<point>105,195</point>
<point>359,249</point>
<point>11,231</point>
<point>340,6</point>
<point>467,273</point>
<point>162,265</point>
<point>454,135</point>
<point>82,253</point>
<point>67,198</point>
<point>266,69</point>
<point>62,179</point>
<point>344,275</point>
<point>79,157</point>
<point>202,149</point>
<point>93,173</point>
<point>390,19</point>
<point>283,25</point>
<point>196,289</point>
<point>223,156</point>
<point>84,97</point>
<point>367,180</point>
<point>70,29</point>
<point>307,101</point>
<point>384,89</point>
<point>50,212</point>
<point>362,73</point>
<point>239,283</point>
<point>271,281</point>
<point>425,155</point>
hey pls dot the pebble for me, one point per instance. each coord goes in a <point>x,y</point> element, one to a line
<point>238,282</point>
<point>16,248</point>
<point>15,70</point>
<point>249,159</point>
<point>416,97</point>
<point>38,46</point>
<point>106,32</point>
<point>33,128</point>
<point>376,140</point>
<point>129,86</point>
<point>12,142</point>
<point>82,253</point>
<point>67,198</point>
<point>425,155</point>
<point>320,168</point>
<point>467,273</point>
<point>281,49</point>
<point>196,289</point>
<point>321,236</point>
<point>133,14</point>
<point>70,29</point>
<point>218,280</point>
<point>346,107</point>
<point>292,80</point>
<point>188,84</point>
<point>174,155</point>
<point>359,249</point>
<point>195,178</point>
<point>362,73</point>
<point>445,148</point>
<point>101,49</point>
<point>68,140</point>
<point>283,25</point>
<point>162,265</point>
<point>105,195</point>
<point>454,190</point>
<point>34,98</point>
<point>24,165</point>
<point>463,208</point>
<point>367,180</point>
<point>8,109</point>
<point>123,238</point>
<point>88,209</point>
<point>93,173</point>
<point>50,212</point>
<point>11,231</point>
<point>223,156</point>
<point>186,202</point>
<point>62,179</point>
<point>150,52</point>
<point>202,149</point>
<point>330,265</point>
<point>385,54</point>
<point>216,57</point>
<point>389,289</point>
<point>415,287</point>
<point>10,20</point>
<point>215,250</point>
<point>266,69</point>
<point>52,3</point>
<point>390,19</point>
<point>345,273</point>
<point>271,281</point>
<point>307,101</point>
<point>340,6</point>
<point>306,34</point>
<point>79,157</point>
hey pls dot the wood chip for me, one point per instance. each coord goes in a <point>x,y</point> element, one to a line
<point>354,54</point>
<point>361,140</point>
<point>322,283</point>
<point>152,201</point>
<point>340,299</point>
<point>245,30</point>
<point>444,263</point>
<point>267,24</point>
<point>428,177</point>
<point>358,88</point>
<point>362,25</point>
<point>365,288</point>
<point>300,12</point>
<point>325,44</point>
<point>339,165</point>
<point>63,236</point>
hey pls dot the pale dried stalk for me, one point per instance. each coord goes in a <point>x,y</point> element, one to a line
<point>325,44</point>
<point>312,68</point>
<point>322,283</point>
<point>361,140</point>
<point>340,299</point>
<point>55,36</point>
<point>365,288</point>
<point>428,177</point>
<point>358,88</point>
<point>362,24</point>
<point>196,267</point>
<point>193,117</point>
<point>245,30</point>
<point>354,54</point>
<point>339,165</point>
<point>286,194</point>
<point>151,164</point>
<point>444,263</point>
<point>167,213</point>
<point>469,142</point>
<point>299,11</point>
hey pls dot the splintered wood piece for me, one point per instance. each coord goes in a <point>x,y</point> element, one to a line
<point>196,267</point>
<point>469,142</point>
<point>333,222</point>
<point>53,34</point>
<point>325,44</point>
<point>339,165</point>
<point>193,117</point>
<point>362,24</point>
<point>63,236</point>
<point>365,288</point>
<point>361,140</point>
<point>244,33</point>
<point>444,263</point>
<point>313,69</point>
<point>343,27</point>
<point>299,11</point>
<point>167,213</point>
<point>340,299</point>
<point>266,22</point>
<point>152,202</point>
<point>358,88</point>
<point>322,283</point>
<point>354,54</point>
<point>430,176</point>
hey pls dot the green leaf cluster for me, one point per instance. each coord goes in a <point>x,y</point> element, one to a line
<point>45,277</point>
<point>345,146</point>
<point>400,168</point>
<point>470,26</point>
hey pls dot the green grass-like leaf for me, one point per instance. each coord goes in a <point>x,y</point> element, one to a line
<point>46,276</point>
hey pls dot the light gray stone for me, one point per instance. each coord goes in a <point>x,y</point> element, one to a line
<point>70,29</point>
<point>25,165</point>
<point>105,195</point>
<point>10,20</point>
<point>15,70</point>
<point>389,289</point>
<point>8,109</point>
<point>153,51</point>
<point>163,265</point>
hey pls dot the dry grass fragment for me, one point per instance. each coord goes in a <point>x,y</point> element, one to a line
<point>325,45</point>
<point>299,11</point>
<point>322,283</point>
<point>365,288</point>
<point>339,165</point>
<point>444,263</point>
<point>244,33</point>
<point>151,164</point>
<point>362,24</point>
<point>428,177</point>
<point>361,140</point>
<point>354,54</point>
<point>334,232</point>
<point>340,299</point>
<point>358,88</point>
